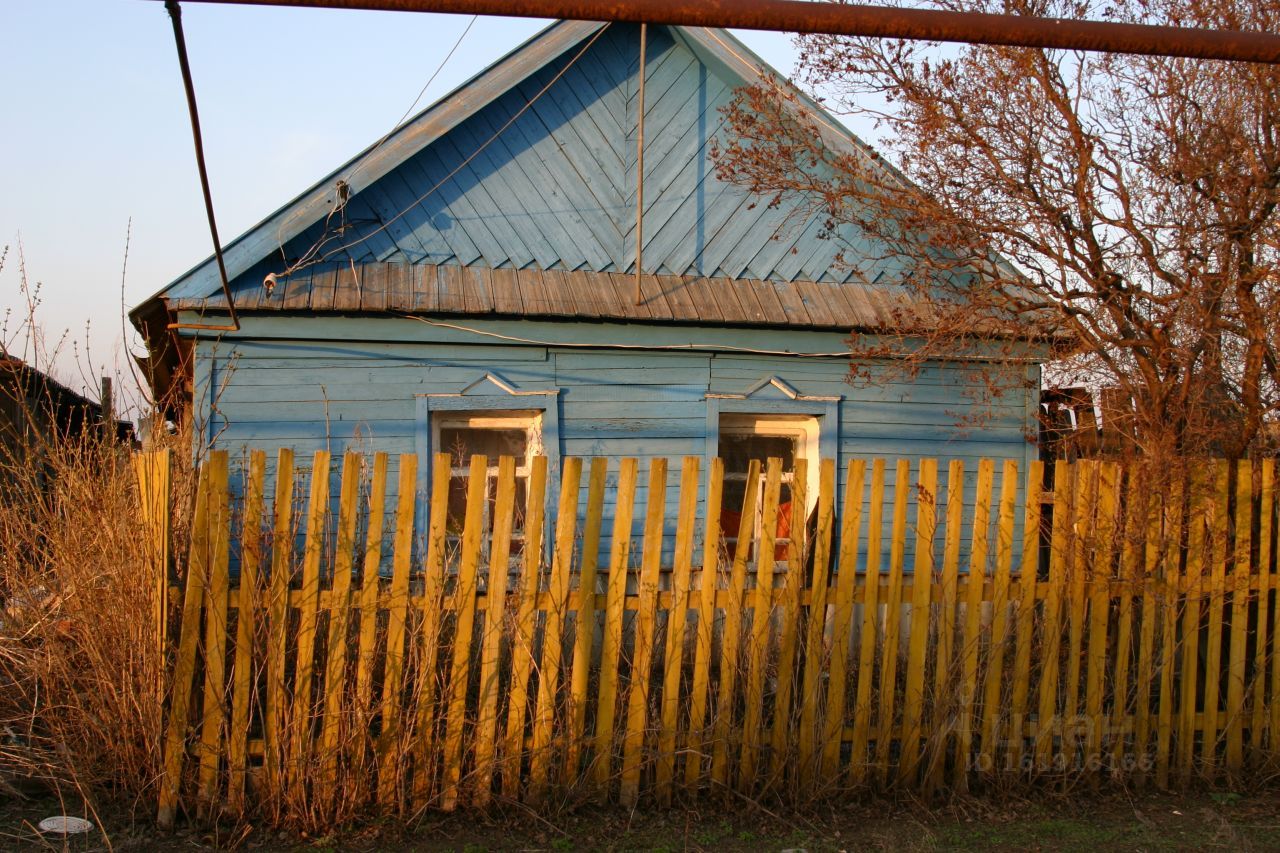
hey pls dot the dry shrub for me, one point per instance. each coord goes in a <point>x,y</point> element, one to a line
<point>81,683</point>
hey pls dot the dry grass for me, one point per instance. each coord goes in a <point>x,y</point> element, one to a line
<point>81,684</point>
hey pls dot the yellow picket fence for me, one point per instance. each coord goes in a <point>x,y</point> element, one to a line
<point>457,673</point>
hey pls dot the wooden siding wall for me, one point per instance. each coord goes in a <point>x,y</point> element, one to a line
<point>337,392</point>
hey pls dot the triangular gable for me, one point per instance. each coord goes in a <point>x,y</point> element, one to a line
<point>771,387</point>
<point>482,178</point>
<point>491,385</point>
<point>774,388</point>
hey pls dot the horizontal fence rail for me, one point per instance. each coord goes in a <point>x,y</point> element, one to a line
<point>905,641</point>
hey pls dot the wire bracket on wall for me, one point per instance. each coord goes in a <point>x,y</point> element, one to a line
<point>175,14</point>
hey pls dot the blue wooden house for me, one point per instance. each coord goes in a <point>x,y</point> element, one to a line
<point>468,284</point>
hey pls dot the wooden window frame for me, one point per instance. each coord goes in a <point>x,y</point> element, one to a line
<point>528,422</point>
<point>489,396</point>
<point>803,430</point>
<point>774,396</point>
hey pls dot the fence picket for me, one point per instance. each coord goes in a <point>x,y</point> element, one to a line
<point>553,628</point>
<point>367,643</point>
<point>710,583</point>
<point>1099,601</point>
<point>1077,597</point>
<point>611,647</point>
<point>1239,615</point>
<point>428,635</point>
<point>1217,592</point>
<point>1028,579</point>
<point>1051,637</point>
<point>971,642</point>
<point>153,470</point>
<point>301,712</point>
<point>729,642</point>
<point>638,685</point>
<point>1147,634</point>
<point>993,709</point>
<point>278,615</point>
<point>585,616</point>
<point>842,621</point>
<point>246,621</point>
<point>797,548</point>
<point>178,719</point>
<point>335,677</point>
<point>815,657</point>
<point>891,650</point>
<point>1168,631</point>
<point>859,761</point>
<point>522,643</point>
<point>389,788</point>
<point>1193,579</point>
<point>677,616</point>
<point>1263,640</point>
<point>216,600</point>
<point>921,606</point>
<point>464,612</point>
<point>761,623</point>
<point>494,625</point>
<point>1130,577</point>
<point>943,674</point>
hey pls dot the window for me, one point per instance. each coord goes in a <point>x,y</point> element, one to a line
<point>747,437</point>
<point>492,416</point>
<point>492,434</point>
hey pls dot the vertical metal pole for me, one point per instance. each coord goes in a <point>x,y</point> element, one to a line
<point>644,33</point>
<point>175,14</point>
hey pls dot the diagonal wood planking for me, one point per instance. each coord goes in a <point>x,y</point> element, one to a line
<point>551,185</point>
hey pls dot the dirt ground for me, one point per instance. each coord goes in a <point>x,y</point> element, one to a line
<point>1205,820</point>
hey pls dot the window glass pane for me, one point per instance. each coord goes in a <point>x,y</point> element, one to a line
<point>518,501</point>
<point>737,450</point>
<point>457,505</point>
<point>734,493</point>
<point>517,526</point>
<point>464,442</point>
<point>492,436</point>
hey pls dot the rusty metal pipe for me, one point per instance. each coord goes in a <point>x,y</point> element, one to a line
<point>800,16</point>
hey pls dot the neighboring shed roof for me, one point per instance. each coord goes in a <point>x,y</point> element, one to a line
<point>35,406</point>
<point>527,173</point>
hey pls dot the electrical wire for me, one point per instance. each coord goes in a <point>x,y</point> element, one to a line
<point>813,115</point>
<point>683,347</point>
<point>474,154</point>
<point>566,344</point>
<point>344,184</point>
<point>400,121</point>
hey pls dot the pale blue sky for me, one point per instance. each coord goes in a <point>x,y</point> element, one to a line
<point>95,131</point>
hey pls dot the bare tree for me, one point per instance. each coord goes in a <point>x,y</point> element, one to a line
<point>1129,203</point>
